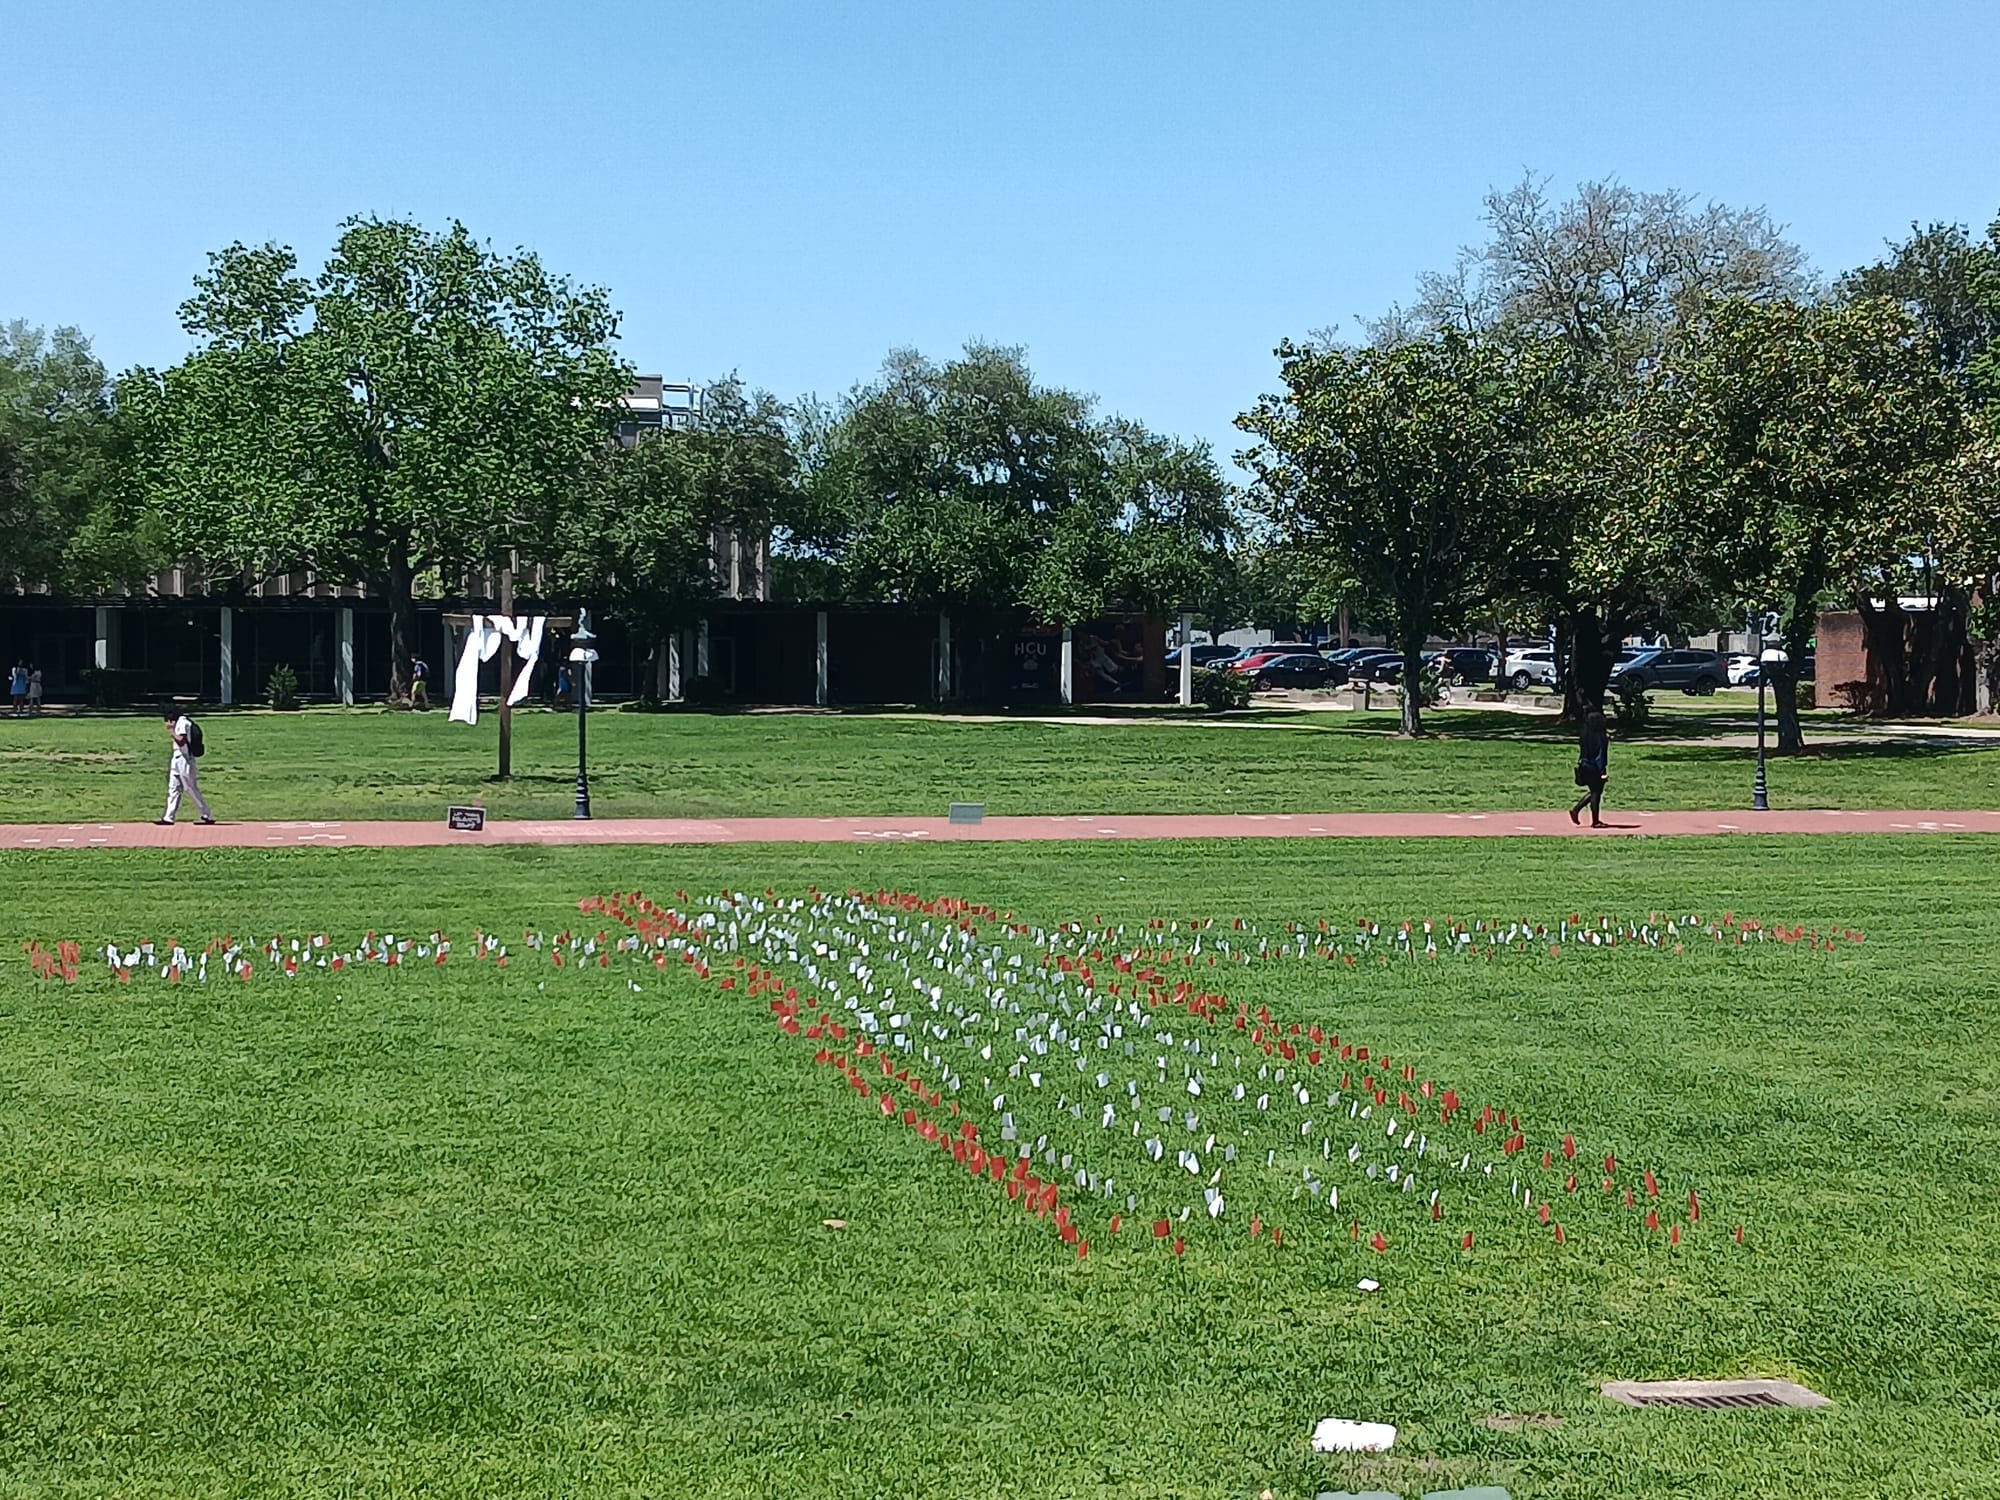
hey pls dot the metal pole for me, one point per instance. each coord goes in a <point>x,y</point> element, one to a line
<point>506,677</point>
<point>580,684</point>
<point>1759,799</point>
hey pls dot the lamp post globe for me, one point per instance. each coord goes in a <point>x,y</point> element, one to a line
<point>581,654</point>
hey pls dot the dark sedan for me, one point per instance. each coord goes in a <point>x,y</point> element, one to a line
<point>1700,672</point>
<point>1300,670</point>
<point>1463,664</point>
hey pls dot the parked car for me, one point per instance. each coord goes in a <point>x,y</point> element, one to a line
<point>1690,671</point>
<point>1462,664</point>
<point>1376,666</point>
<point>1808,669</point>
<point>1301,669</point>
<point>1741,667</point>
<point>1204,655</point>
<point>1256,657</point>
<point>1526,668</point>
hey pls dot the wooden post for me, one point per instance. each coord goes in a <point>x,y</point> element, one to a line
<point>506,677</point>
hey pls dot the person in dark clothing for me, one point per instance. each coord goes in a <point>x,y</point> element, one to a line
<point>1593,768</point>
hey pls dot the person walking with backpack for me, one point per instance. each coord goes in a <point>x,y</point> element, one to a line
<point>1593,768</point>
<point>186,735</point>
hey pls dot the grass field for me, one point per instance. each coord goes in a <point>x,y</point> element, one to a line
<point>368,764</point>
<point>454,1233</point>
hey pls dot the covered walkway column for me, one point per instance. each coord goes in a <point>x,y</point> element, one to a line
<point>1068,666</point>
<point>671,690</point>
<point>1187,658</point>
<point>107,653</point>
<point>343,657</point>
<point>228,656</point>
<point>944,682</point>
<point>819,660</point>
<point>701,649</point>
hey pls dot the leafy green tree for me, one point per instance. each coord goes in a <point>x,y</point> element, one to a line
<point>1391,462</point>
<point>639,537</point>
<point>65,507</point>
<point>1796,451</point>
<point>1616,277</point>
<point>1950,283</point>
<point>968,485</point>
<point>419,407</point>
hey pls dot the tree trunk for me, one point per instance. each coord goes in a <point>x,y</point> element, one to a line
<point>1413,692</point>
<point>398,588</point>
<point>1785,683</point>
<point>1588,668</point>
<point>1886,636</point>
<point>1944,691</point>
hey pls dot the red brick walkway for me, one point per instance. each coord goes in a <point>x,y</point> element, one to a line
<point>1111,827</point>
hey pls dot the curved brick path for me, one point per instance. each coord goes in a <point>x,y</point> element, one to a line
<point>1002,829</point>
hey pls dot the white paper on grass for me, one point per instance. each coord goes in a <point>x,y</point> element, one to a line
<point>1338,1435</point>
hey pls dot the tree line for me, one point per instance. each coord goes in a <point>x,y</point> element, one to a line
<point>1621,411</point>
<point>1627,411</point>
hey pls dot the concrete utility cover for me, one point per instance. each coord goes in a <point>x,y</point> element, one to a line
<point>1713,1395</point>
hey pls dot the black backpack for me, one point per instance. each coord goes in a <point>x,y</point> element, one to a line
<point>194,740</point>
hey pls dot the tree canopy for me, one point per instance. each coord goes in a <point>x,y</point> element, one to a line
<point>1391,463</point>
<point>969,485</point>
<point>420,406</point>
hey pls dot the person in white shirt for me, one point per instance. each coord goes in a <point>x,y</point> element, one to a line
<point>180,771</point>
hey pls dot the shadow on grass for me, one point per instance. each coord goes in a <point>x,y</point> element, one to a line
<point>1850,751</point>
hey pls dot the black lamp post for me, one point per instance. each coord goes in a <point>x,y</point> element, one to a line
<point>1770,657</point>
<point>581,655</point>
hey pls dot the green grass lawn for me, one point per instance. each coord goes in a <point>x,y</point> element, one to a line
<point>454,1233</point>
<point>369,764</point>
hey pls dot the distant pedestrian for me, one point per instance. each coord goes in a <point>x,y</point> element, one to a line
<point>186,735</point>
<point>35,691</point>
<point>17,688</point>
<point>1593,768</point>
<point>560,698</point>
<point>420,684</point>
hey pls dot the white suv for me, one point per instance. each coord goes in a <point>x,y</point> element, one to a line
<point>1528,667</point>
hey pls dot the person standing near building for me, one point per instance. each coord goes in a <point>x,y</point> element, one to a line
<point>17,688</point>
<point>420,684</point>
<point>34,691</point>
<point>180,770</point>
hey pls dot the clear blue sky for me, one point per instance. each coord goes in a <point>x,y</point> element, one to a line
<point>1148,196</point>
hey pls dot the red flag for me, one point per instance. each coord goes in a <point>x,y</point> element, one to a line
<point>1653,1220</point>
<point>1559,1235</point>
<point>1569,1147</point>
<point>1694,1207</point>
<point>1180,1247</point>
<point>1378,1244</point>
<point>1675,1236</point>
<point>1652,1184</point>
<point>1161,1229</point>
<point>1466,1243</point>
